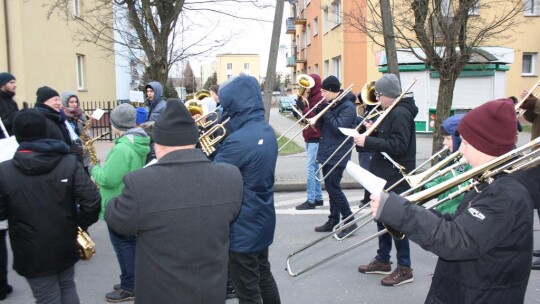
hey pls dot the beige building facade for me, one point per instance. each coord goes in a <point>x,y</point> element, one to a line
<point>40,51</point>
<point>229,65</point>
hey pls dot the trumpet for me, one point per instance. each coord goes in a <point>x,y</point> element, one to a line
<point>208,139</point>
<point>367,133</point>
<point>208,119</point>
<point>510,162</point>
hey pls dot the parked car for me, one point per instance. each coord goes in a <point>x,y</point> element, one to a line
<point>285,104</point>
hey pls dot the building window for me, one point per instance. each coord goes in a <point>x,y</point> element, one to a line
<point>316,69</point>
<point>325,20</point>
<point>76,8</point>
<point>528,66</point>
<point>475,9</point>
<point>531,8</point>
<point>229,66</point>
<point>326,68</point>
<point>80,71</point>
<point>304,39</point>
<point>246,66</point>
<point>308,35</point>
<point>336,13</point>
<point>336,66</point>
<point>315,27</point>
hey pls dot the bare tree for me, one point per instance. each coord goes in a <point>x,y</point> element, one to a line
<point>444,34</point>
<point>158,33</point>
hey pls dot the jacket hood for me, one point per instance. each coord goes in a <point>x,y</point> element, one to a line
<point>137,139</point>
<point>241,99</point>
<point>158,90</point>
<point>408,103</point>
<point>39,156</point>
<point>66,96</point>
<point>315,91</point>
<point>531,179</point>
<point>450,125</point>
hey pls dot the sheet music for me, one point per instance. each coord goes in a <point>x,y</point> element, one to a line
<point>349,132</point>
<point>97,114</point>
<point>368,180</point>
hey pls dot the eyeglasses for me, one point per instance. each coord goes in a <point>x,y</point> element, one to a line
<point>377,94</point>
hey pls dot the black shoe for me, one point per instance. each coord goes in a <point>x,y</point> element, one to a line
<point>231,293</point>
<point>536,265</point>
<point>319,202</point>
<point>305,206</point>
<point>347,231</point>
<point>119,296</point>
<point>327,227</point>
<point>536,253</point>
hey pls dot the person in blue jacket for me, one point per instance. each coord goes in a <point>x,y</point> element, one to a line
<point>251,146</point>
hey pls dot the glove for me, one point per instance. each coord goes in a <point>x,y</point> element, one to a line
<point>300,104</point>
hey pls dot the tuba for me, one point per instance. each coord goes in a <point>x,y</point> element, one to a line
<point>85,244</point>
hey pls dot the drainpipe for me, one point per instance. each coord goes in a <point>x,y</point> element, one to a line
<point>8,54</point>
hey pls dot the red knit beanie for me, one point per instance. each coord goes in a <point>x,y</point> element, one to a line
<point>491,128</point>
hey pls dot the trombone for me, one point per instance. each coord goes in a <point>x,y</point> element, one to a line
<point>310,122</point>
<point>512,161</point>
<point>366,133</point>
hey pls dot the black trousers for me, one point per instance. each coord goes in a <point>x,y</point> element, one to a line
<point>3,263</point>
<point>252,278</point>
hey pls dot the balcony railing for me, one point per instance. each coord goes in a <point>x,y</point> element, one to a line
<point>291,27</point>
<point>291,61</point>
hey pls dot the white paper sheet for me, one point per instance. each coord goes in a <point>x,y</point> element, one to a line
<point>368,180</point>
<point>8,147</point>
<point>349,132</point>
<point>97,114</point>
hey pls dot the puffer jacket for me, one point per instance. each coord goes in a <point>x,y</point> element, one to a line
<point>8,110</point>
<point>252,147</point>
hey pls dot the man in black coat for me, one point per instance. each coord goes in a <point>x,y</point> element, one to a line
<point>8,106</point>
<point>39,192</point>
<point>485,248</point>
<point>396,137</point>
<point>182,228</point>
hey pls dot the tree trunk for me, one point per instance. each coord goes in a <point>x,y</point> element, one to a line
<point>389,38</point>
<point>272,60</point>
<point>444,104</point>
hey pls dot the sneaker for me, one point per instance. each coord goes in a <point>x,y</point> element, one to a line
<point>401,275</point>
<point>231,293</point>
<point>305,206</point>
<point>376,266</point>
<point>347,231</point>
<point>319,202</point>
<point>327,227</point>
<point>119,296</point>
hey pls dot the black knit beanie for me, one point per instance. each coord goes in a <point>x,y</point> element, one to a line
<point>29,125</point>
<point>331,83</point>
<point>175,126</point>
<point>45,93</point>
<point>5,78</point>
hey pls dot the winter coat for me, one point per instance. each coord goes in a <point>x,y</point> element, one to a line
<point>157,105</point>
<point>8,110</point>
<point>252,147</point>
<point>485,249</point>
<point>39,192</point>
<point>343,115</point>
<point>182,226</point>
<point>312,135</point>
<point>127,155</point>
<point>395,136</point>
<point>533,116</point>
<point>451,205</point>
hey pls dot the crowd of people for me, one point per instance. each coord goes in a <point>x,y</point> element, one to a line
<point>206,246</point>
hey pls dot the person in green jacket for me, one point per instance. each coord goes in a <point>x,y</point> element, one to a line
<point>128,154</point>
<point>452,141</point>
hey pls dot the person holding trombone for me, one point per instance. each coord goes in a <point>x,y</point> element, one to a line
<point>395,137</point>
<point>485,248</point>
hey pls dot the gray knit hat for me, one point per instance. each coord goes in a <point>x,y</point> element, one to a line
<point>388,86</point>
<point>123,117</point>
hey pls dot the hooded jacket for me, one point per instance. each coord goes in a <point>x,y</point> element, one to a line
<point>315,96</point>
<point>252,147</point>
<point>485,249</point>
<point>342,114</point>
<point>157,105</point>
<point>39,189</point>
<point>8,109</point>
<point>127,155</point>
<point>395,136</point>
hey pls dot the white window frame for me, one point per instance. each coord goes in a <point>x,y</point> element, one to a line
<point>326,20</point>
<point>336,67</point>
<point>336,13</point>
<point>531,8</point>
<point>304,39</point>
<point>326,68</point>
<point>308,35</point>
<point>77,8</point>
<point>229,66</point>
<point>246,66</point>
<point>315,26</point>
<point>316,69</point>
<point>80,64</point>
<point>531,68</point>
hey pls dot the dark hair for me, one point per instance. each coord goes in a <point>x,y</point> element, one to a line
<point>214,88</point>
<point>514,99</point>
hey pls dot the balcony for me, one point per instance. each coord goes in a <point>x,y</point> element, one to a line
<point>291,62</point>
<point>300,19</point>
<point>291,27</point>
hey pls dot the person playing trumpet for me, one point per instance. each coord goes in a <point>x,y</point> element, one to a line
<point>395,136</point>
<point>485,248</point>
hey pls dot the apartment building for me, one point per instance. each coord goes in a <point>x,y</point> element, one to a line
<point>229,65</point>
<point>41,51</point>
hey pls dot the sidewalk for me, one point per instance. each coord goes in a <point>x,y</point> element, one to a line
<point>290,169</point>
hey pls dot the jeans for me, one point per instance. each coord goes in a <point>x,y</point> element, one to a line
<point>56,289</point>
<point>385,246</point>
<point>338,201</point>
<point>252,278</point>
<point>313,186</point>
<point>124,246</point>
<point>364,159</point>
